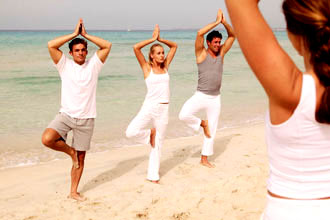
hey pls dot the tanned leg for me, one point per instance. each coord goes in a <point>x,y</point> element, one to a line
<point>51,139</point>
<point>152,137</point>
<point>205,126</point>
<point>75,177</point>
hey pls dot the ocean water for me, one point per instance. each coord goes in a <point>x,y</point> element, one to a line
<point>30,90</point>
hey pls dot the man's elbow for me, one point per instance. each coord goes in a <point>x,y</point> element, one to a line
<point>232,34</point>
<point>199,33</point>
<point>109,45</point>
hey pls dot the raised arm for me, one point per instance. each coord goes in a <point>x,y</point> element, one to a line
<point>104,45</point>
<point>173,46</point>
<point>200,50</point>
<point>55,44</point>
<point>139,55</point>
<point>274,69</point>
<point>230,39</point>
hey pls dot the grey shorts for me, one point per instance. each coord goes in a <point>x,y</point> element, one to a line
<point>82,130</point>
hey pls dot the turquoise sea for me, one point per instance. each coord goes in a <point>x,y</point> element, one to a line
<point>30,90</point>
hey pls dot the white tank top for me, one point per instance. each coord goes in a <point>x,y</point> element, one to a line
<point>158,87</point>
<point>299,150</point>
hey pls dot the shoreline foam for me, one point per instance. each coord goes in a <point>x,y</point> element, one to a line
<point>37,156</point>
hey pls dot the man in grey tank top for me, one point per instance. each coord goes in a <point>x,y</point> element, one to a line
<point>207,96</point>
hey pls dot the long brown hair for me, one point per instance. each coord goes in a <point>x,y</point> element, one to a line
<point>152,50</point>
<point>310,20</point>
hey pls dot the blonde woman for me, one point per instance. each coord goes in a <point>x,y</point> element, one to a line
<point>154,111</point>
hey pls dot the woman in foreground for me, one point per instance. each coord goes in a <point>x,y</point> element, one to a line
<point>298,122</point>
<point>154,111</point>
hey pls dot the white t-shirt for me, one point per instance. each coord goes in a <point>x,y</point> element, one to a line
<point>78,94</point>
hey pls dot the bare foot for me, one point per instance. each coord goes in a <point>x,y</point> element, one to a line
<point>152,137</point>
<point>77,196</point>
<point>205,162</point>
<point>154,181</point>
<point>205,126</point>
<point>74,156</point>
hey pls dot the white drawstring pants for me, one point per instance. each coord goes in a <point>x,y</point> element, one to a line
<point>291,209</point>
<point>202,102</point>
<point>156,115</point>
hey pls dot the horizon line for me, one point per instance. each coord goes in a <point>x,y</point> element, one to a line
<point>114,30</point>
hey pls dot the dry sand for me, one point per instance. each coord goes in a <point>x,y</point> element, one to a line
<point>115,185</point>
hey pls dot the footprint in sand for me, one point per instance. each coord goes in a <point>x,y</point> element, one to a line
<point>181,216</point>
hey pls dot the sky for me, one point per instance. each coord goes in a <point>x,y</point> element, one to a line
<point>120,14</point>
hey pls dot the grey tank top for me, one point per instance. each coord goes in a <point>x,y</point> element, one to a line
<point>210,75</point>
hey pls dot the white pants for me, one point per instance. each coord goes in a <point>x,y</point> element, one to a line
<point>156,115</point>
<point>290,209</point>
<point>209,103</point>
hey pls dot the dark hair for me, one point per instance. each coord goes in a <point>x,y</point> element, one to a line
<point>310,20</point>
<point>151,51</point>
<point>77,41</point>
<point>213,34</point>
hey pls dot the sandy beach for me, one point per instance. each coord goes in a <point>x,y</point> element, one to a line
<point>115,185</point>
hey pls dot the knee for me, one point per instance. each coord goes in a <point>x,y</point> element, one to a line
<point>183,116</point>
<point>47,140</point>
<point>49,137</point>
<point>130,132</point>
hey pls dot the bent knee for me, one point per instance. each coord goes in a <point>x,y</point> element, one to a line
<point>130,132</point>
<point>183,116</point>
<point>48,138</point>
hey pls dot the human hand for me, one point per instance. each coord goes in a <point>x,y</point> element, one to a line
<point>77,30</point>
<point>82,29</point>
<point>223,20</point>
<point>219,16</point>
<point>155,34</point>
<point>158,32</point>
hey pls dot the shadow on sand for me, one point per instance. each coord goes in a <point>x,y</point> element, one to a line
<point>116,172</point>
<point>179,156</point>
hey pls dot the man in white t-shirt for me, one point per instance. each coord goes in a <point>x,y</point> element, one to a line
<point>78,98</point>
